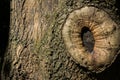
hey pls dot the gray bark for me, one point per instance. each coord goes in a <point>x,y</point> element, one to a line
<point>36,49</point>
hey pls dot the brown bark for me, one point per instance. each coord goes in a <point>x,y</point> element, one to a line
<point>36,49</point>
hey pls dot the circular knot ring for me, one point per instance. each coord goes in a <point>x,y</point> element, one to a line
<point>106,38</point>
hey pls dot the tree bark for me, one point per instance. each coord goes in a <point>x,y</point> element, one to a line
<point>36,49</point>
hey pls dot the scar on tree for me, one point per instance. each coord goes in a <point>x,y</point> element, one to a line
<point>91,38</point>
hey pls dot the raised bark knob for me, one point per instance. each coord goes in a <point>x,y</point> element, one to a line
<point>95,53</point>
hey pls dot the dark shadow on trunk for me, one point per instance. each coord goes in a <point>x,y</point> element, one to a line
<point>4,28</point>
<point>117,5</point>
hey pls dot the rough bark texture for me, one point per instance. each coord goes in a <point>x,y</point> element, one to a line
<point>36,49</point>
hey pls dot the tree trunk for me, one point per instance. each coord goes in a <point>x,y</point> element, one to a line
<point>37,50</point>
